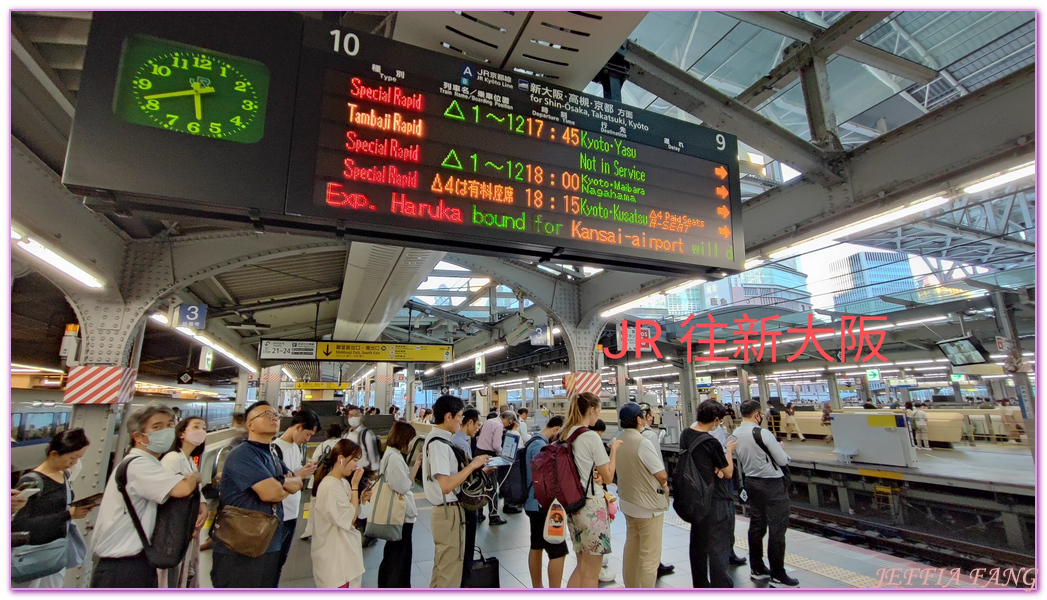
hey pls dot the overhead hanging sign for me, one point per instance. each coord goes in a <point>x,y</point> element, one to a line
<point>306,126</point>
<point>321,385</point>
<point>356,351</point>
<point>394,137</point>
<point>190,316</point>
<point>352,351</point>
<point>703,381</point>
<point>287,350</point>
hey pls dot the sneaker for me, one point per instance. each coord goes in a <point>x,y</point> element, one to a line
<point>784,581</point>
<point>369,541</point>
<point>759,575</point>
<point>664,570</point>
<point>736,561</point>
<point>606,576</point>
<point>496,520</point>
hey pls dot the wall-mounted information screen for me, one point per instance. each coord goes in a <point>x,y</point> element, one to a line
<point>455,155</point>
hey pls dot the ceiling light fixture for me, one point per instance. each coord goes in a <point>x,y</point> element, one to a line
<point>999,180</point>
<point>828,239</point>
<point>921,321</point>
<point>35,248</point>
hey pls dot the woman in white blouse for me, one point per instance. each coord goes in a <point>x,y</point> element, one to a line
<point>337,547</point>
<point>188,447</point>
<point>395,570</point>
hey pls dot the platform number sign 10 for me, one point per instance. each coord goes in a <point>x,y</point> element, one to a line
<point>348,43</point>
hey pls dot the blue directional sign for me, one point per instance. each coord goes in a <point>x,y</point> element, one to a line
<point>191,316</point>
<point>542,336</point>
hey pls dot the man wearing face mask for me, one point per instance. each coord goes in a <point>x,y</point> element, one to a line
<point>768,497</point>
<point>121,560</point>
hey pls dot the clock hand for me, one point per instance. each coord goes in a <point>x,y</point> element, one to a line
<point>199,108</point>
<point>206,90</point>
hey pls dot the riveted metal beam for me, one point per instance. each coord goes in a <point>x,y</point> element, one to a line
<point>720,111</point>
<point>803,31</point>
<point>822,45</point>
<point>970,138</point>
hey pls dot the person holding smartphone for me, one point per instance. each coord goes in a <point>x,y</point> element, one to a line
<point>48,513</point>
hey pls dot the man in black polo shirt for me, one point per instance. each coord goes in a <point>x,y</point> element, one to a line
<point>254,479</point>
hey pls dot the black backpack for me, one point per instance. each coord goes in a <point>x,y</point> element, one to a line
<point>692,495</point>
<point>514,488</point>
<point>175,522</point>
<point>477,489</point>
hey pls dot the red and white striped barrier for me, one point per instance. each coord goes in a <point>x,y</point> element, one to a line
<point>582,381</point>
<point>100,385</point>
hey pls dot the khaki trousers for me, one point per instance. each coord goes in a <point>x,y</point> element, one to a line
<point>449,536</point>
<point>643,551</point>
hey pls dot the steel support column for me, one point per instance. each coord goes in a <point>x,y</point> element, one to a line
<point>408,406</point>
<point>242,386</point>
<point>688,395</point>
<point>744,393</point>
<point>765,391</point>
<point>834,392</point>
<point>821,117</point>
<point>383,385</point>
<point>1004,310</point>
<point>621,378</point>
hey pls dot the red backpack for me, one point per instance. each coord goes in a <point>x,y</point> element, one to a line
<point>555,476</point>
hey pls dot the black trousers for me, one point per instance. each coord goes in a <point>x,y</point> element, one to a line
<point>395,570</point>
<point>711,546</point>
<point>471,517</point>
<point>769,513</point>
<point>230,570</point>
<point>286,533</point>
<point>130,572</point>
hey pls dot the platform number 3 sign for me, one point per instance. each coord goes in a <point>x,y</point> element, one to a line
<point>192,316</point>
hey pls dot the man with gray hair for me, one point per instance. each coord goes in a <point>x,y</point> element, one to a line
<point>122,562</point>
<point>489,442</point>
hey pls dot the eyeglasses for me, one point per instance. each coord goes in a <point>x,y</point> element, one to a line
<point>267,414</point>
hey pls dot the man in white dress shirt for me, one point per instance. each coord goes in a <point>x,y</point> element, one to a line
<point>121,557</point>
<point>440,478</point>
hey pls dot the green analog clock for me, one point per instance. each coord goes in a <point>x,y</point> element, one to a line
<point>191,90</point>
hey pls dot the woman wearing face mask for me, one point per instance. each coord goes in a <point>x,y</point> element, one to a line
<point>188,447</point>
<point>337,546</point>
<point>47,515</point>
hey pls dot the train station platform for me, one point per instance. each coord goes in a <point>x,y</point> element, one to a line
<point>815,561</point>
<point>1006,467</point>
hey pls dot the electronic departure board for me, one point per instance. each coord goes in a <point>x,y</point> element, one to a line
<point>440,152</point>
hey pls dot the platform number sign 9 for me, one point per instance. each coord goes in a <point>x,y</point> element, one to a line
<point>192,316</point>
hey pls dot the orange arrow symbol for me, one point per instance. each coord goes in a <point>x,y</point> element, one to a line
<point>723,211</point>
<point>725,232</point>
<point>722,192</point>
<point>721,172</point>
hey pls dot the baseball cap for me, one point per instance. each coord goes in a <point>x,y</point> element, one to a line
<point>629,412</point>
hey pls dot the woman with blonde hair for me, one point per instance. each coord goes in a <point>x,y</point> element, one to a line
<point>591,526</point>
<point>337,547</point>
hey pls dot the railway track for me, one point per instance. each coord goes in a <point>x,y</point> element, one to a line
<point>905,543</point>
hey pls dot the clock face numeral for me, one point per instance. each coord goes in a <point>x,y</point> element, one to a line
<point>192,98</point>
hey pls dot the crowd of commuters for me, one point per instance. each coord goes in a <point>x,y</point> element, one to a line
<point>259,496</point>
